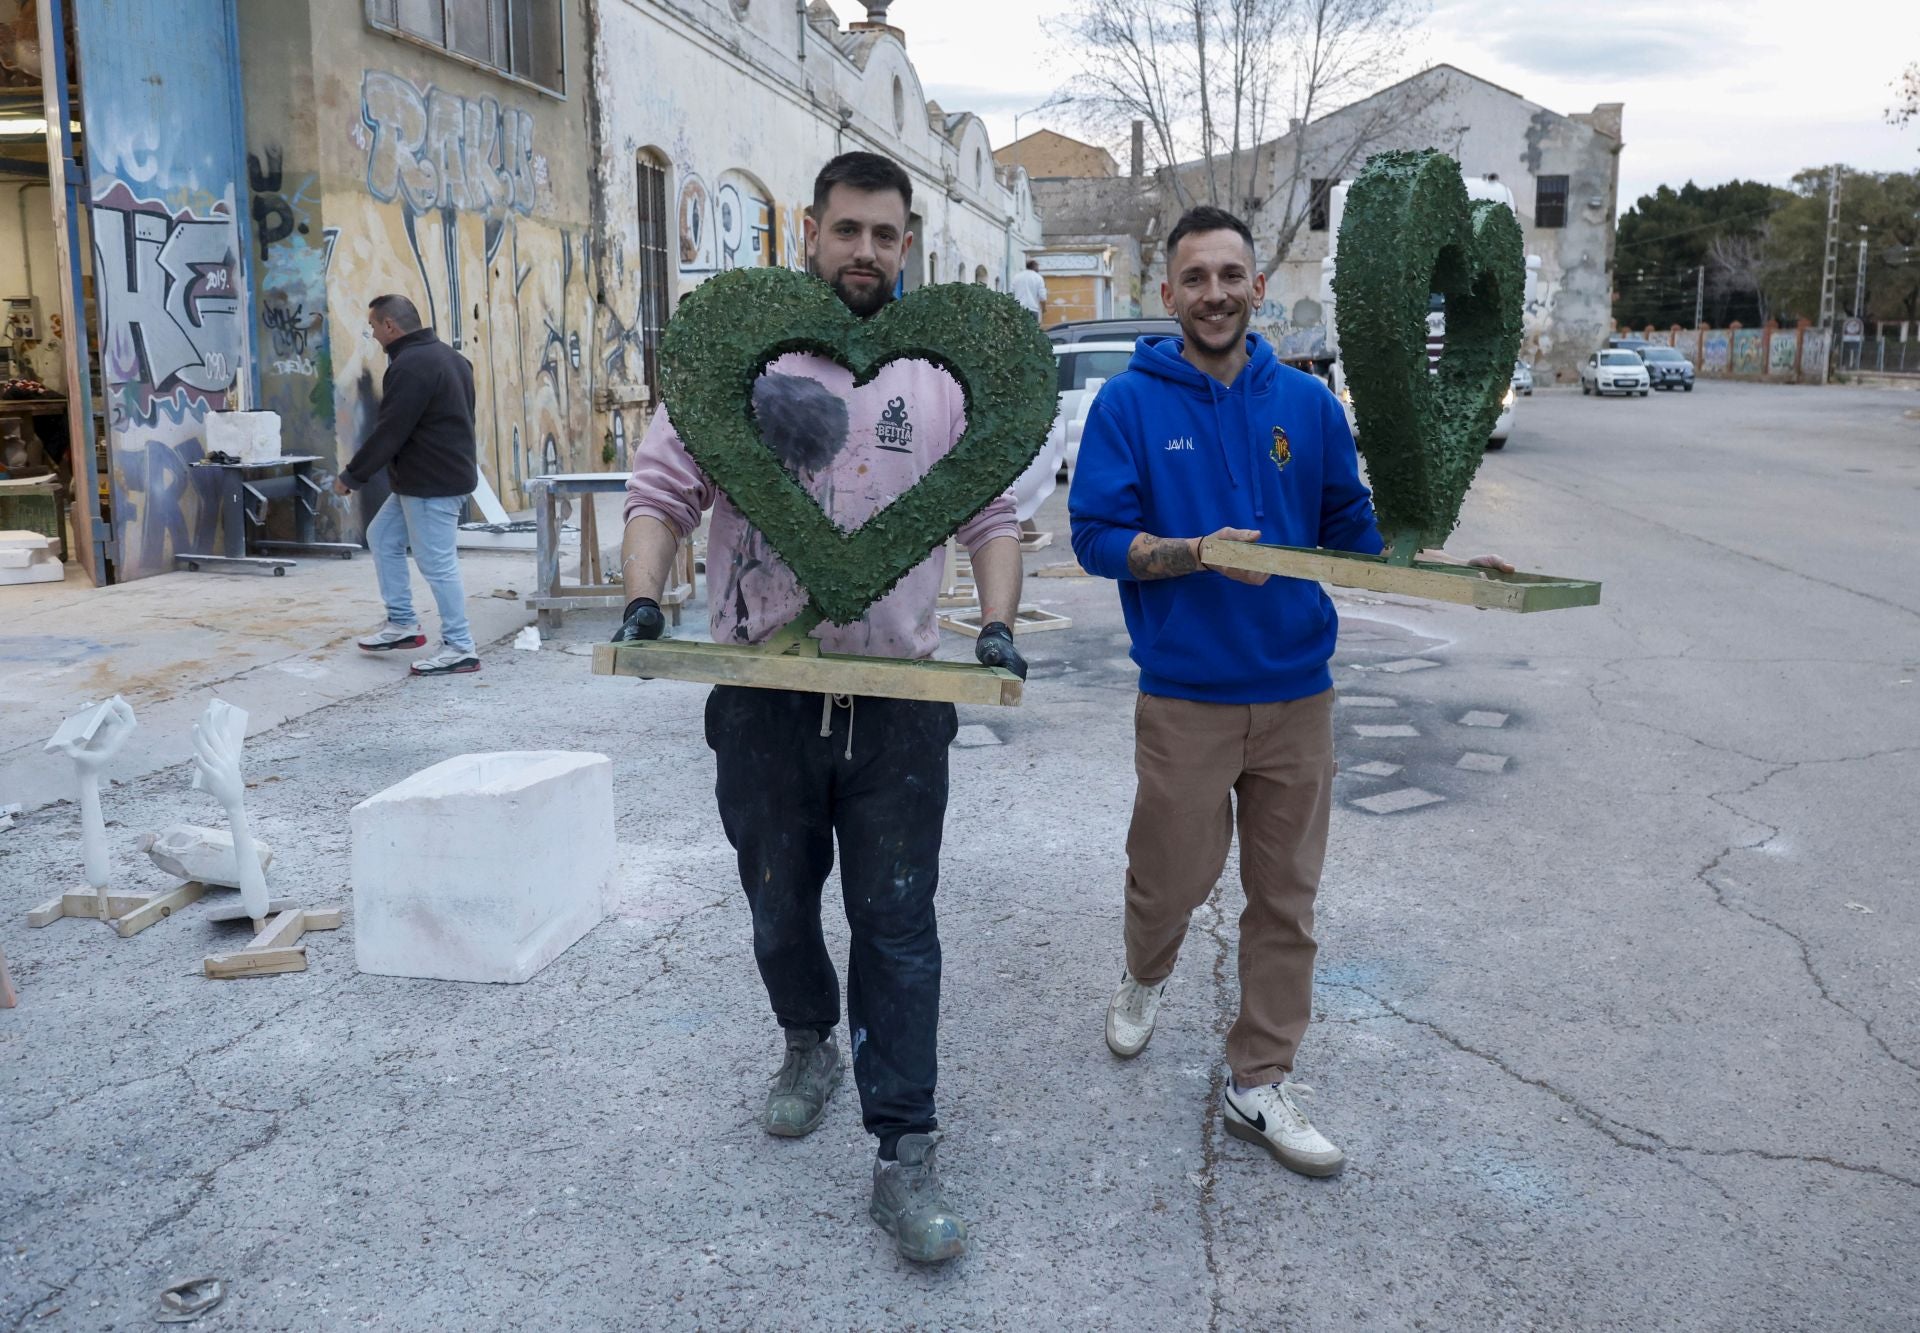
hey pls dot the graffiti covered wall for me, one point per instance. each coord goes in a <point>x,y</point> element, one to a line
<point>170,273</point>
<point>455,210</point>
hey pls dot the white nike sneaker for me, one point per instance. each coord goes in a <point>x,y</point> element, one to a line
<point>1270,1117</point>
<point>389,637</point>
<point>1130,1016</point>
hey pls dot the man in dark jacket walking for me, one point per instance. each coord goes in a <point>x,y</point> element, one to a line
<point>424,439</point>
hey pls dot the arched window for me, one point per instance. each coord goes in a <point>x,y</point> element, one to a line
<point>980,275</point>
<point>899,105</point>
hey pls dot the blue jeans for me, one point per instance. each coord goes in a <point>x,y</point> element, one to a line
<point>430,524</point>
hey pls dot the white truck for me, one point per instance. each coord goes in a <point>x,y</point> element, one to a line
<point>1478,187</point>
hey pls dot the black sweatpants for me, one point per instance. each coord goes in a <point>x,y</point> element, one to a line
<point>878,782</point>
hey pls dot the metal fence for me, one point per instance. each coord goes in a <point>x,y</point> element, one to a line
<point>1894,356</point>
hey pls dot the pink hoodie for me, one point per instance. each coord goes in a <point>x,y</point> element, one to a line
<point>899,424</point>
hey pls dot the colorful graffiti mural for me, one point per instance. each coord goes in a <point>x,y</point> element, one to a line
<point>731,226</point>
<point>1716,357</point>
<point>1782,350</point>
<point>449,218</point>
<point>1748,353</point>
<point>437,149</point>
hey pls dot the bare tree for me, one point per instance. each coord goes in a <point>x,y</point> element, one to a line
<point>1738,263</point>
<point>1210,77</point>
<point>1906,91</point>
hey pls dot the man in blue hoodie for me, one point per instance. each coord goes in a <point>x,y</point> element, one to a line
<point>1208,434</point>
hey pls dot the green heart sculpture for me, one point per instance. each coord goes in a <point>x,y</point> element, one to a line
<point>1409,230</point>
<point>731,326</point>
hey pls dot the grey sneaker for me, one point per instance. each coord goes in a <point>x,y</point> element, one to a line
<point>449,661</point>
<point>389,637</point>
<point>797,1101</point>
<point>909,1206</point>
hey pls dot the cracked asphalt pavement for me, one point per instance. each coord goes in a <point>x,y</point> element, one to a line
<point>1623,1032</point>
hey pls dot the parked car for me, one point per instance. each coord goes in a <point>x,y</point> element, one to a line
<point>1614,370</point>
<point>1523,378</point>
<point>1083,367</point>
<point>1632,341</point>
<point>1110,330</point>
<point>1667,368</point>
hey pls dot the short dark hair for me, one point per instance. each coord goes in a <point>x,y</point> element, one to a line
<point>1034,264</point>
<point>868,172</point>
<point>1205,217</point>
<point>398,309</point>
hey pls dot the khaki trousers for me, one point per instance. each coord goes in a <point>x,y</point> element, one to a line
<point>1193,760</point>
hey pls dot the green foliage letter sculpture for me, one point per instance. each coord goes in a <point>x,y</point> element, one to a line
<point>1409,230</point>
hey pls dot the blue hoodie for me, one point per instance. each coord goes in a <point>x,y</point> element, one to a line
<point>1168,451</point>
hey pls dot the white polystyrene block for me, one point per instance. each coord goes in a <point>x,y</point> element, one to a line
<point>251,437</point>
<point>28,557</point>
<point>486,867</point>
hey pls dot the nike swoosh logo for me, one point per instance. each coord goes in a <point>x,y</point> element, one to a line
<point>1258,1119</point>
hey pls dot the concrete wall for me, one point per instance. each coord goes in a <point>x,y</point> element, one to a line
<point>1797,355</point>
<point>742,125</point>
<point>377,164</point>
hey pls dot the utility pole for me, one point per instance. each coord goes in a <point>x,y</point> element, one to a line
<point>1830,271</point>
<point>1860,279</point>
<point>1699,295</point>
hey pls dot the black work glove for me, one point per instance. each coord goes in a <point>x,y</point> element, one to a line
<point>643,620</point>
<point>995,648</point>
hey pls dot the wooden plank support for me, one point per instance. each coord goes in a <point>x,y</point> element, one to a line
<point>822,673</point>
<point>7,996</point>
<point>129,913</point>
<point>1029,620</point>
<point>275,948</point>
<point>158,906</point>
<point>1466,585</point>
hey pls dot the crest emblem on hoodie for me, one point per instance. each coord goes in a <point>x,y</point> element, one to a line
<point>893,430</point>
<point>1282,451</point>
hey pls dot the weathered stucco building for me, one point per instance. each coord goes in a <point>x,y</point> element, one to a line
<point>394,150</point>
<point>543,178</point>
<point>1098,226</point>
<point>708,164</point>
<point>1563,170</point>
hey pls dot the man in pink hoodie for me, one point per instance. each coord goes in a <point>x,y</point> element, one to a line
<point>792,773</point>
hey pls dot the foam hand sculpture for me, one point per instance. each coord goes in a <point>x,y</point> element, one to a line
<point>91,738</point>
<point>217,739</point>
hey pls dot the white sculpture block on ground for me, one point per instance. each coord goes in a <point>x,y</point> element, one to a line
<point>486,867</point>
<point>28,557</point>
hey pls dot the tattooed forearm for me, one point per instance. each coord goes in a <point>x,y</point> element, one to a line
<point>1163,557</point>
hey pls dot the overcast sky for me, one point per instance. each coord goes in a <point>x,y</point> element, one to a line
<point>1714,89</point>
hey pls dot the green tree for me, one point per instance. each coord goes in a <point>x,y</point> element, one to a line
<point>1665,240</point>
<point>1887,204</point>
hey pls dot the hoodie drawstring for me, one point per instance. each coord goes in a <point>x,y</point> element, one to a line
<point>1220,431</point>
<point>828,702</point>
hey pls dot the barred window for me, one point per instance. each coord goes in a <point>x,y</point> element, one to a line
<point>1550,201</point>
<point>1319,195</point>
<point>520,38</point>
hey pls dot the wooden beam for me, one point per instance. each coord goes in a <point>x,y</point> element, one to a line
<point>251,962</point>
<point>827,673</point>
<point>157,906</point>
<point>1465,585</point>
<point>1028,620</point>
<point>7,996</point>
<point>276,947</point>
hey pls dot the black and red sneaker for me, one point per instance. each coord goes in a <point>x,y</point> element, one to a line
<point>449,661</point>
